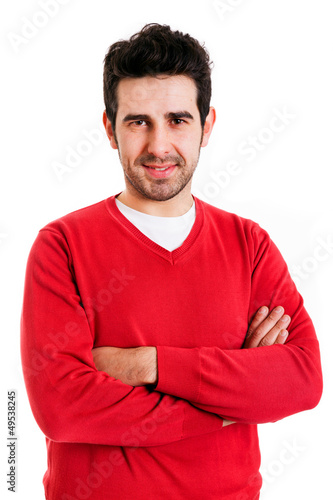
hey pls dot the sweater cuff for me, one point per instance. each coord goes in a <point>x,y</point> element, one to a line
<point>179,372</point>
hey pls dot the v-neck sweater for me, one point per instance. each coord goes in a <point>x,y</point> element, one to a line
<point>93,279</point>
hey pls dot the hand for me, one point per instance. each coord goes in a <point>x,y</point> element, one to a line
<point>267,328</point>
<point>133,366</point>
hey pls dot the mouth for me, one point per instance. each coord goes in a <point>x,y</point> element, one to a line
<point>159,172</point>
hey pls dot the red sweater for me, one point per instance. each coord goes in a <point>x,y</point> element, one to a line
<point>93,279</point>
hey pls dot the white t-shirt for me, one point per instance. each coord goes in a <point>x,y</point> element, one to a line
<point>168,232</point>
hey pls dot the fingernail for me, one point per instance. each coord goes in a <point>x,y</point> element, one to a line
<point>278,309</point>
<point>283,333</point>
<point>263,310</point>
<point>285,319</point>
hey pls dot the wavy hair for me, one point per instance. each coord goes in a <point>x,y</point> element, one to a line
<point>157,50</point>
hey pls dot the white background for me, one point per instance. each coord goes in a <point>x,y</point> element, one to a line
<point>268,55</point>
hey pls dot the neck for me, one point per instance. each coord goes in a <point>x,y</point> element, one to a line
<point>176,206</point>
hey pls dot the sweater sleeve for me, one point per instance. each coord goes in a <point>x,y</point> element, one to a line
<point>70,399</point>
<point>255,385</point>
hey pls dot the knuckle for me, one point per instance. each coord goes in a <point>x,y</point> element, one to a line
<point>274,316</point>
<point>265,342</point>
<point>258,334</point>
<point>281,324</point>
<point>250,332</point>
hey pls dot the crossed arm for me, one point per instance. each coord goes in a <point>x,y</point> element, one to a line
<point>138,366</point>
<point>195,390</point>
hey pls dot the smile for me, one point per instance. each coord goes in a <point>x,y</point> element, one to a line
<point>159,172</point>
<point>159,169</point>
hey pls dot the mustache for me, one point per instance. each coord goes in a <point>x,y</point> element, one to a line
<point>155,160</point>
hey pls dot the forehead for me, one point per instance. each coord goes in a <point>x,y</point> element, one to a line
<point>162,91</point>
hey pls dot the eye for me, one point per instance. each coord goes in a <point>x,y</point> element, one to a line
<point>178,121</point>
<point>138,123</point>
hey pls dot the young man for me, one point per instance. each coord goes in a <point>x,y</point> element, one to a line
<point>140,364</point>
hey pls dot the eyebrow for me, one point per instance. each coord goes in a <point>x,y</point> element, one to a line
<point>169,116</point>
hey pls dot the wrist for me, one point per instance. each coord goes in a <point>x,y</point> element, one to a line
<point>147,365</point>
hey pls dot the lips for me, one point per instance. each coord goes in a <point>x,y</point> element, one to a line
<point>158,171</point>
<point>159,168</point>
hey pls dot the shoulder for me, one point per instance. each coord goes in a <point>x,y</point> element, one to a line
<point>229,221</point>
<point>80,220</point>
<point>75,229</point>
<point>243,237</point>
<point>72,232</point>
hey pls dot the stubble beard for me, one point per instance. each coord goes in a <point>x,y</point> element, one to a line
<point>159,189</point>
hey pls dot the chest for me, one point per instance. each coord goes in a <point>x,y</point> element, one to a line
<point>138,298</point>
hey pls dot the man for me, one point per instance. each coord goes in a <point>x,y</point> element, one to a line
<point>158,330</point>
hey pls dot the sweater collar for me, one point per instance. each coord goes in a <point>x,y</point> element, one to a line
<point>177,254</point>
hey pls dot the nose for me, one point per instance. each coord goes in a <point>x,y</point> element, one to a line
<point>159,143</point>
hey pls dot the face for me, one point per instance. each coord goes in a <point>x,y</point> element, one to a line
<point>158,135</point>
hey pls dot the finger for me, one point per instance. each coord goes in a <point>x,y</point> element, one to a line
<point>227,422</point>
<point>259,317</point>
<point>265,327</point>
<point>282,337</point>
<point>272,336</point>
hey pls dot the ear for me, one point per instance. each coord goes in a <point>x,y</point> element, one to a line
<point>208,127</point>
<point>109,131</point>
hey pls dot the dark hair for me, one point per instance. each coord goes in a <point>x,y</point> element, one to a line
<point>154,51</point>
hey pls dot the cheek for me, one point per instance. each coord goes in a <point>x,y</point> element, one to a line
<point>189,145</point>
<point>131,146</point>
